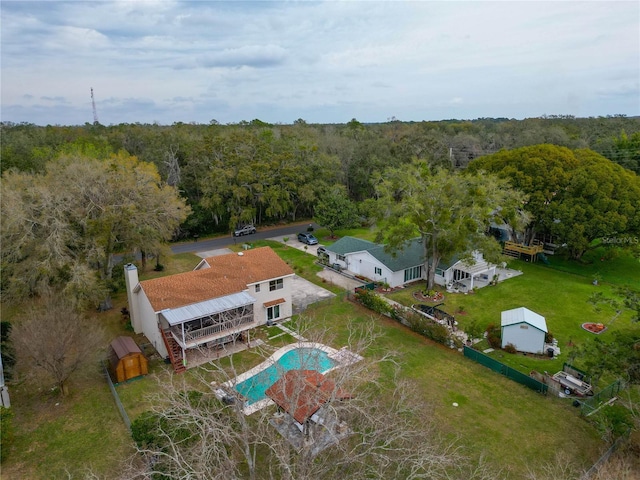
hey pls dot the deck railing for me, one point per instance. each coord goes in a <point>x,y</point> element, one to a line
<point>195,335</point>
<point>527,249</point>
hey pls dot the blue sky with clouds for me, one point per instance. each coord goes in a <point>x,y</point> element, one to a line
<point>326,62</point>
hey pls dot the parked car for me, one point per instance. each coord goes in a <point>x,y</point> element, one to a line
<point>246,230</point>
<point>307,238</point>
<point>322,250</point>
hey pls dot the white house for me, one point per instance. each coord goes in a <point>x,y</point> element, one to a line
<point>215,305</point>
<point>465,274</point>
<point>524,329</point>
<point>370,260</point>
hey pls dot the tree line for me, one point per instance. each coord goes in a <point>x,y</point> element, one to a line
<point>256,172</point>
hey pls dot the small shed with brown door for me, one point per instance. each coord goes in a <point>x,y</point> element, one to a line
<point>126,360</point>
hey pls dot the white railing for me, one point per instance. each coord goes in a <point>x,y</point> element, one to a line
<point>194,335</point>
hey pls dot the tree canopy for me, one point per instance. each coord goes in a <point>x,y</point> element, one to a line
<point>575,195</point>
<point>449,211</point>
<point>335,210</point>
<point>61,228</point>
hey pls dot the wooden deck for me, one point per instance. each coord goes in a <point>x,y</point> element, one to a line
<point>516,250</point>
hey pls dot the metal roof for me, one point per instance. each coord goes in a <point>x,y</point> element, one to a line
<point>179,315</point>
<point>347,245</point>
<point>410,256</point>
<point>523,315</point>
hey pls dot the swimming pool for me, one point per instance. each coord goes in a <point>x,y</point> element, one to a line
<point>306,358</point>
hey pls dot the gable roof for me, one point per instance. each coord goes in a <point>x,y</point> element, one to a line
<point>523,315</point>
<point>123,346</point>
<point>347,245</point>
<point>301,393</point>
<point>410,256</point>
<point>225,275</point>
<point>407,257</point>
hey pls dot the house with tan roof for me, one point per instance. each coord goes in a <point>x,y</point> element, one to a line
<point>211,308</point>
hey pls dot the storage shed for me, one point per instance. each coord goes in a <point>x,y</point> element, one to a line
<point>524,329</point>
<point>126,360</point>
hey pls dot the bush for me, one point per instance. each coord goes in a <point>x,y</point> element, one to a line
<point>614,421</point>
<point>428,328</point>
<point>373,302</point>
<point>145,430</point>
<point>7,350</point>
<point>510,348</point>
<point>493,336</point>
<point>548,337</point>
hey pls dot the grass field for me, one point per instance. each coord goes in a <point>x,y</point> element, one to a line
<point>55,436</point>
<point>560,296</point>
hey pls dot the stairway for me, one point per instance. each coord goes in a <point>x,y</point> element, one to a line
<point>175,352</point>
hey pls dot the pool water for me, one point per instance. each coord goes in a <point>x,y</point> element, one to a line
<point>253,388</point>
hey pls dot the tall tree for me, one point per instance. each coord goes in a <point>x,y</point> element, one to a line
<point>63,227</point>
<point>56,339</point>
<point>449,211</point>
<point>577,196</point>
<point>335,210</point>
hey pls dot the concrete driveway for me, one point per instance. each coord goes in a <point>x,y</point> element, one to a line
<point>293,242</point>
<point>334,278</point>
<point>305,293</point>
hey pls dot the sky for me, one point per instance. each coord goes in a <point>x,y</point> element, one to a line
<point>164,61</point>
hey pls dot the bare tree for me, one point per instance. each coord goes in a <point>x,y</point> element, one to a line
<point>192,434</point>
<point>54,337</point>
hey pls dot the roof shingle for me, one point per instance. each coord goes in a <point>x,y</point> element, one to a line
<point>227,274</point>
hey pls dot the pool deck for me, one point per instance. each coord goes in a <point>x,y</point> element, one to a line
<point>342,357</point>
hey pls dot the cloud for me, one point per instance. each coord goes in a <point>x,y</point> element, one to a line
<point>322,61</point>
<point>256,56</point>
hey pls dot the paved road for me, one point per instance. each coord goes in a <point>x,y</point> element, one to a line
<point>221,242</point>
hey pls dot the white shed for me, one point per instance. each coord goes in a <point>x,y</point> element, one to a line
<point>524,329</point>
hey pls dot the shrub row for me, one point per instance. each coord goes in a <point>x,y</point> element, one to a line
<point>416,322</point>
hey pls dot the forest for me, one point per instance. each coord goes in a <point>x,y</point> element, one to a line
<point>76,199</point>
<point>254,172</point>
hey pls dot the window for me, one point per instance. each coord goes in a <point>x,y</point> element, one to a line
<point>378,271</point>
<point>273,312</point>
<point>276,284</point>
<point>257,287</point>
<point>413,273</point>
<point>440,272</point>
<point>341,258</point>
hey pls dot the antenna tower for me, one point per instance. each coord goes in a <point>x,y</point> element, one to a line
<point>95,112</point>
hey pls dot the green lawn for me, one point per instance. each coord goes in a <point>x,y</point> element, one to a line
<point>613,265</point>
<point>561,297</point>
<point>494,414</point>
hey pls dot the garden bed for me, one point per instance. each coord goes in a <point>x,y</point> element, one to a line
<point>433,298</point>
<point>596,328</point>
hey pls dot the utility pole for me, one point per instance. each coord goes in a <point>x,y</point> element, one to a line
<point>95,112</point>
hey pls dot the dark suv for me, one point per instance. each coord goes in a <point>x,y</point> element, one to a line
<point>307,238</point>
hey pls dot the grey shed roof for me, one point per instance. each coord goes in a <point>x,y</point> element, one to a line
<point>179,315</point>
<point>523,315</point>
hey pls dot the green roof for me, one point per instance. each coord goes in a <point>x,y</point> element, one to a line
<point>410,256</point>
<point>348,245</point>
